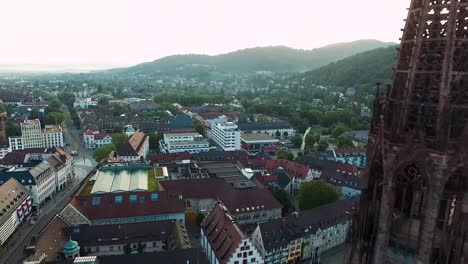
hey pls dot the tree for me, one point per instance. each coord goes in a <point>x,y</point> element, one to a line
<point>296,140</point>
<point>118,139</point>
<point>316,193</point>
<point>345,142</point>
<point>54,118</point>
<point>284,198</point>
<point>199,128</point>
<point>99,88</point>
<point>323,145</point>
<point>12,130</point>
<point>103,101</point>
<point>54,103</point>
<point>2,108</point>
<point>103,152</point>
<point>310,141</point>
<point>277,133</point>
<point>33,114</point>
<point>338,130</point>
<point>154,141</point>
<point>284,154</point>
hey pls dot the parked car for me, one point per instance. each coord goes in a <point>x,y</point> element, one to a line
<point>74,153</point>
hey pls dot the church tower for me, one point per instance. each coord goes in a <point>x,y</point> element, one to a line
<point>414,204</point>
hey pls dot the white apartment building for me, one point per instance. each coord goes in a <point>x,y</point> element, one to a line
<point>94,139</point>
<point>227,136</point>
<point>85,102</point>
<point>15,206</point>
<point>32,136</point>
<point>183,142</point>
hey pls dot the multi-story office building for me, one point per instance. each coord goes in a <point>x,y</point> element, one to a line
<point>183,142</point>
<point>32,136</point>
<point>15,205</point>
<point>227,136</point>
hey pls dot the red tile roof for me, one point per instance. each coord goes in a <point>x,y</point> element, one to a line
<point>347,168</point>
<point>101,136</point>
<point>89,132</point>
<point>218,189</point>
<point>108,209</point>
<point>292,167</point>
<point>222,233</point>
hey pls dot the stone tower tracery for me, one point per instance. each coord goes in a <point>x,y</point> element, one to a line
<point>414,204</point>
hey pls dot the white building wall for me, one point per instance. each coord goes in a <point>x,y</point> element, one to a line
<point>246,251</point>
<point>52,139</point>
<point>227,136</point>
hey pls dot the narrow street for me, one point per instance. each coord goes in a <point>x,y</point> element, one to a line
<point>13,251</point>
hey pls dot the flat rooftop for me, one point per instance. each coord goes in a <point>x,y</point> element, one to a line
<point>183,134</point>
<point>254,137</point>
<point>52,129</point>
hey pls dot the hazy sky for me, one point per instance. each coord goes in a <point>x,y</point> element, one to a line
<point>133,31</point>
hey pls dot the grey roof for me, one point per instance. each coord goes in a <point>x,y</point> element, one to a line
<point>26,173</point>
<point>315,163</point>
<point>12,194</point>
<point>180,121</point>
<point>280,232</point>
<point>283,178</point>
<point>263,126</point>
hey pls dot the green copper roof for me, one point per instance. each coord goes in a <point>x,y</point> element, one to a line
<point>71,247</point>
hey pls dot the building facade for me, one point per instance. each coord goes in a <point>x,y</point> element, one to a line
<point>223,241</point>
<point>15,207</point>
<point>414,203</point>
<point>183,142</point>
<point>32,136</point>
<point>94,139</point>
<point>303,236</point>
<point>85,102</point>
<point>274,129</point>
<point>227,136</point>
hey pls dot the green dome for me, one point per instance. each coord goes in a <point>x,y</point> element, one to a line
<point>71,248</point>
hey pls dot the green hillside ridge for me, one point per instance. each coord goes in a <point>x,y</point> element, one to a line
<point>367,67</point>
<point>273,58</point>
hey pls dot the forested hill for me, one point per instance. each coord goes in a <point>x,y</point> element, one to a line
<point>364,68</point>
<point>274,59</point>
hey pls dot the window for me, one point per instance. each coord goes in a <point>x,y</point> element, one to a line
<point>133,198</point>
<point>252,260</point>
<point>118,199</point>
<point>250,253</point>
<point>96,200</point>
<point>154,197</point>
<point>239,255</point>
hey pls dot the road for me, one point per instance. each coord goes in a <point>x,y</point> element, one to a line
<point>303,139</point>
<point>12,252</point>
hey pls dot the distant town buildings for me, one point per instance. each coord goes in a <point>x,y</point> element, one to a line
<point>15,206</point>
<point>183,142</point>
<point>94,139</point>
<point>32,136</point>
<point>227,136</point>
<point>85,102</point>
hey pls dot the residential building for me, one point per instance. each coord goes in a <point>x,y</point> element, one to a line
<point>15,206</point>
<point>181,123</point>
<point>354,156</point>
<point>298,173</point>
<point>136,148</point>
<point>275,129</point>
<point>85,102</point>
<point>183,142</point>
<point>129,130</point>
<point>38,178</point>
<point>223,241</point>
<point>359,137</point>
<point>259,142</point>
<point>32,136</point>
<point>305,235</point>
<point>94,139</point>
<point>144,106</point>
<point>118,239</point>
<point>246,206</point>
<point>227,136</point>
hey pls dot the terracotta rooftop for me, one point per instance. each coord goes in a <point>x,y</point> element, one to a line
<point>222,233</point>
<point>143,206</point>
